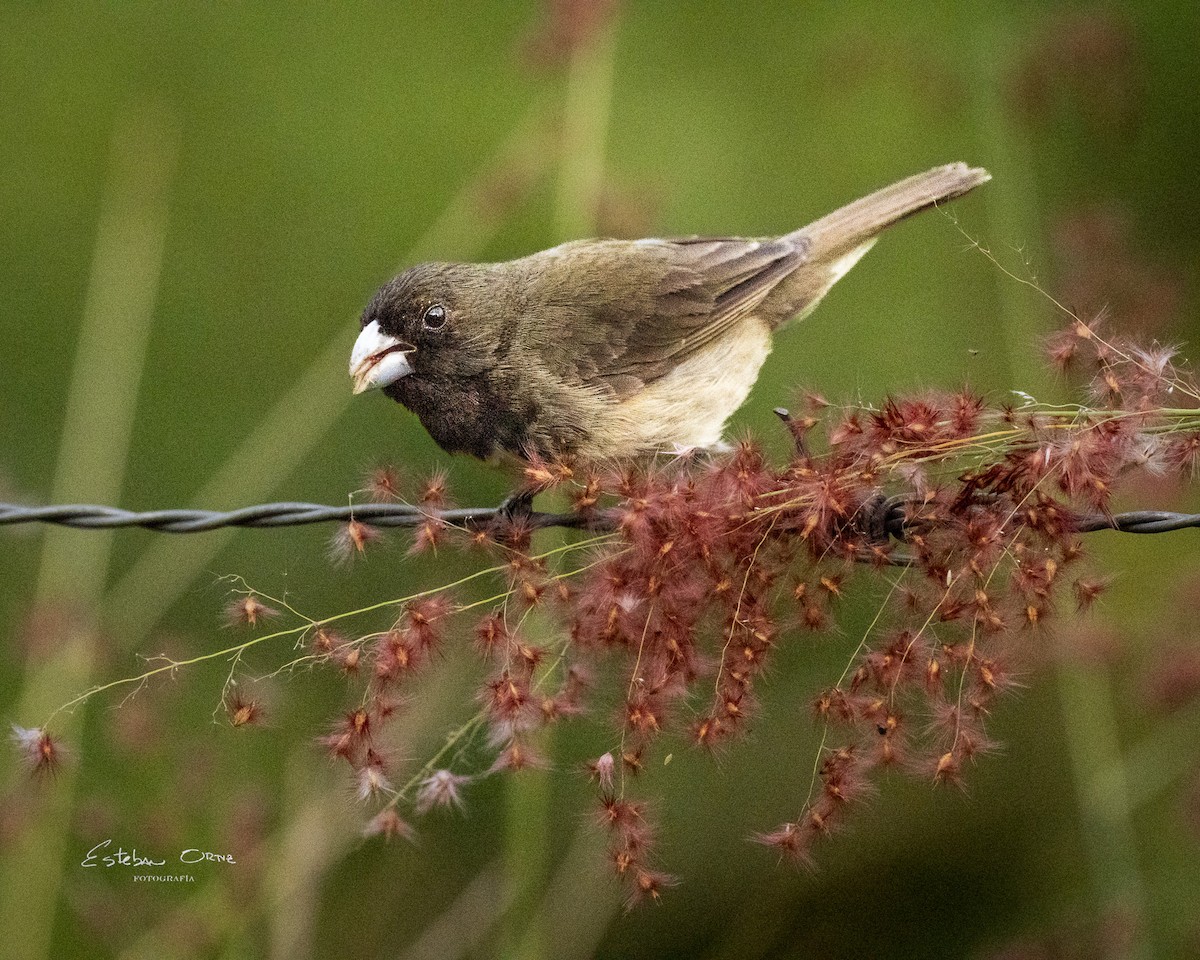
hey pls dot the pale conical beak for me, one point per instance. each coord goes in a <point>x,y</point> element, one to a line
<point>378,359</point>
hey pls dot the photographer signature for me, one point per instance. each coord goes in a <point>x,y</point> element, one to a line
<point>102,856</point>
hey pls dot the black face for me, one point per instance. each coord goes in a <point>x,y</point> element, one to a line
<point>417,308</point>
<point>443,311</point>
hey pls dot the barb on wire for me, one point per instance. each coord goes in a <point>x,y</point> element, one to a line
<point>887,517</point>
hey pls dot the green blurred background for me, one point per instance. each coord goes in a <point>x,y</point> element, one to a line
<point>196,200</point>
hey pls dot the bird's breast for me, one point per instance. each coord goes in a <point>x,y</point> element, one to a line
<point>469,415</point>
<point>687,408</point>
<point>526,412</point>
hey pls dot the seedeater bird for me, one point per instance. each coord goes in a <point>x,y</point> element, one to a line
<point>611,349</point>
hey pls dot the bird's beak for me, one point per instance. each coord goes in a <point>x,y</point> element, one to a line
<point>378,359</point>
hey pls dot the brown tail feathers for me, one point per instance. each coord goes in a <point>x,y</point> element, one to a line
<point>836,241</point>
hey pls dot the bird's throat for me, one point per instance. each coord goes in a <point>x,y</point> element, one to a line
<point>468,415</point>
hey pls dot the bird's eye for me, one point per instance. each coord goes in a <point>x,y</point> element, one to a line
<point>434,317</point>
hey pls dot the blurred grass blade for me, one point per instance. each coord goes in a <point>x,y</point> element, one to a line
<point>1086,696</point>
<point>461,927</point>
<point>580,900</point>
<point>100,404</point>
<point>313,835</point>
<point>584,134</point>
<point>529,828</point>
<point>289,433</point>
<point>1012,213</point>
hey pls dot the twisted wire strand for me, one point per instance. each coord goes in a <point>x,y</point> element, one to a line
<point>1140,521</point>
<point>890,520</point>
<point>93,517</point>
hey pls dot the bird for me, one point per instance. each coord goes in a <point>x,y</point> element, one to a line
<point>608,350</point>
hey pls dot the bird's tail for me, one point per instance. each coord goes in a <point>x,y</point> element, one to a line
<point>837,241</point>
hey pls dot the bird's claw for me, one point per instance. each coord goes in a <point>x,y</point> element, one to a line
<point>510,524</point>
<point>516,508</point>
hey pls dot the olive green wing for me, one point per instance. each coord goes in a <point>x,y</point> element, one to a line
<point>627,312</point>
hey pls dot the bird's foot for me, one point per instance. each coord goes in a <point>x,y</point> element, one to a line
<point>516,507</point>
<point>513,515</point>
<point>510,526</point>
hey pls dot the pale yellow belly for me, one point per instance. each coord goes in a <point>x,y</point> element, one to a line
<point>688,407</point>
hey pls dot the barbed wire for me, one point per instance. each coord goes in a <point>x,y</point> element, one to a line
<point>891,519</point>
<point>1139,521</point>
<point>93,517</point>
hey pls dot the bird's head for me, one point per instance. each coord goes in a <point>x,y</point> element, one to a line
<point>429,322</point>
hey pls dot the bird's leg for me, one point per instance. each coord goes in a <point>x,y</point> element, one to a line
<point>509,525</point>
<point>516,507</point>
